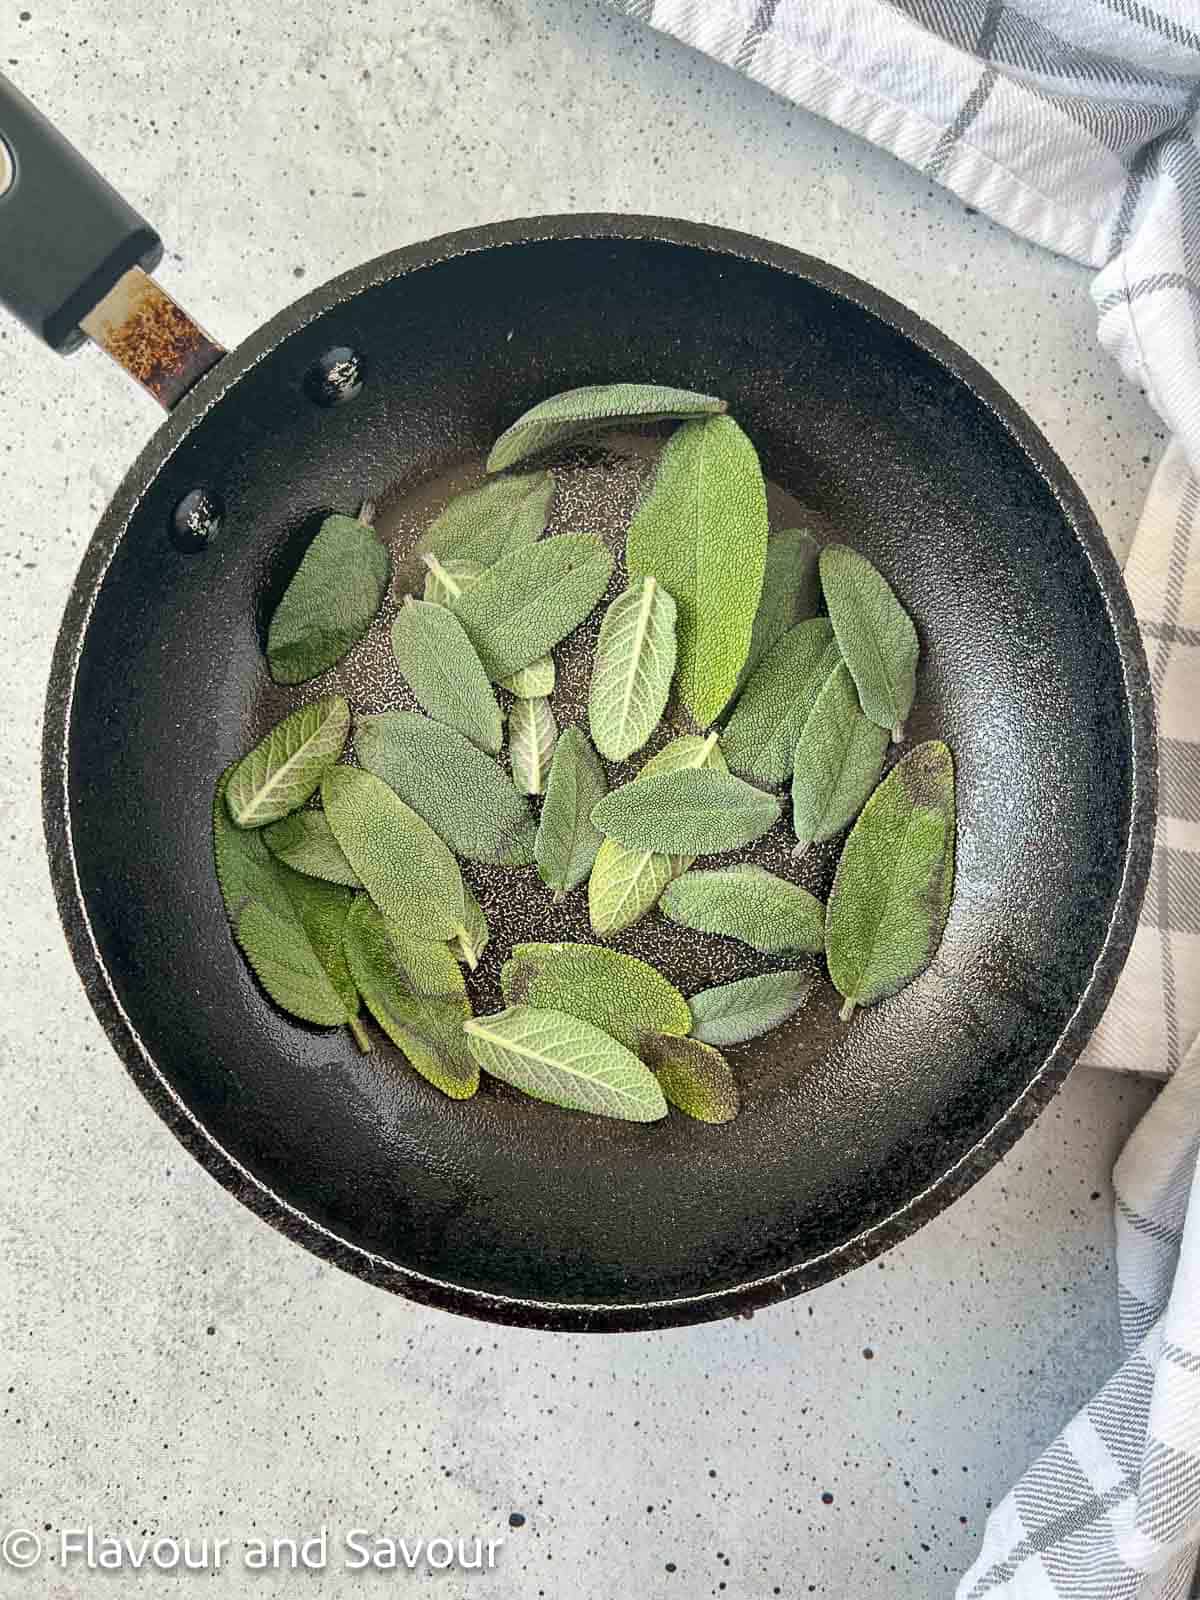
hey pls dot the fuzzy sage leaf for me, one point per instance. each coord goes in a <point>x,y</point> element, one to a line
<point>839,757</point>
<point>521,607</point>
<point>633,668</point>
<point>534,682</point>
<point>557,1058</point>
<point>891,892</point>
<point>331,601</point>
<point>693,1077</point>
<point>470,942</point>
<point>286,767</point>
<point>701,530</point>
<point>687,812</point>
<point>403,865</point>
<point>625,884</point>
<point>446,580</point>
<point>759,740</point>
<point>427,1028</point>
<point>462,794</point>
<point>617,993</point>
<point>532,736</point>
<point>304,841</point>
<point>567,842</point>
<point>447,677</point>
<point>791,593</point>
<point>486,523</point>
<point>875,633</point>
<point>576,412</point>
<point>748,903</point>
<point>731,1013</point>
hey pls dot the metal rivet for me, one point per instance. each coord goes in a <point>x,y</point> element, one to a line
<point>335,377</point>
<point>8,170</point>
<point>196,520</point>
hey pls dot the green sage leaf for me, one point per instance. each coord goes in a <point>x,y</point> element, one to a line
<point>446,580</point>
<point>791,593</point>
<point>617,993</point>
<point>403,865</point>
<point>492,521</point>
<point>689,812</point>
<point>443,671</point>
<point>875,634</point>
<point>625,884</point>
<point>693,1076</point>
<point>748,903</point>
<point>701,530</point>
<point>839,757</point>
<point>891,893</point>
<point>531,599</point>
<point>246,869</point>
<point>588,410</point>
<point>569,1063</point>
<point>634,665</point>
<point>533,682</point>
<point>472,939</point>
<point>532,736</point>
<point>427,1028</point>
<point>286,767</point>
<point>759,740</point>
<point>463,795</point>
<point>566,842</point>
<point>304,841</point>
<point>734,1012</point>
<point>330,603</point>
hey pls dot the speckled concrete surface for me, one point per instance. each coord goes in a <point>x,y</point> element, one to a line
<point>171,1365</point>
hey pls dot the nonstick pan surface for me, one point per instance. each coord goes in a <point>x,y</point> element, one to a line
<point>871,427</point>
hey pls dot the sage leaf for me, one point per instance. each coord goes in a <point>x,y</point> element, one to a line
<point>427,1028</point>
<point>759,740</point>
<point>875,634</point>
<point>891,893</point>
<point>839,757</point>
<point>617,993</point>
<point>569,1063</point>
<point>246,869</point>
<point>748,903</point>
<point>446,580</point>
<point>403,865</point>
<point>532,598</point>
<point>533,682</point>
<point>331,601</point>
<point>701,530</point>
<point>286,767</point>
<point>566,842</point>
<point>791,592</point>
<point>633,668</point>
<point>693,1077</point>
<point>688,812</point>
<point>444,673</point>
<point>532,735</point>
<point>468,945</point>
<point>625,884</point>
<point>588,410</point>
<point>734,1012</point>
<point>464,796</point>
<point>304,841</point>
<point>492,521</point>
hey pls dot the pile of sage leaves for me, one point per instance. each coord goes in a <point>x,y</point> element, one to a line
<point>360,901</point>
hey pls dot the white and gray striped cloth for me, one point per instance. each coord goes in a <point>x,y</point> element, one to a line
<point>1076,122</point>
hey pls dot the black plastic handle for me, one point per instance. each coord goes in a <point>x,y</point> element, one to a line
<point>66,236</point>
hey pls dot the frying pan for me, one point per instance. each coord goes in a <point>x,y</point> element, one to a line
<point>389,383</point>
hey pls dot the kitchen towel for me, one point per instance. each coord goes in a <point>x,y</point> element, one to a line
<point>1075,122</point>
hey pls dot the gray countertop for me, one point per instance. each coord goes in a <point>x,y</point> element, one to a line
<point>170,1364</point>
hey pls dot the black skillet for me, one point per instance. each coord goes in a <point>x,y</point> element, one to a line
<point>389,383</point>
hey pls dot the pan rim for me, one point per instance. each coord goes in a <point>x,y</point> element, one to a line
<point>605,1316</point>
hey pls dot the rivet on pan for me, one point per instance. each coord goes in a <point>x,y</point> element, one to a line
<point>196,520</point>
<point>335,377</point>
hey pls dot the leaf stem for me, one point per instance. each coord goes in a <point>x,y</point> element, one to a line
<point>463,939</point>
<point>366,513</point>
<point>361,1037</point>
<point>898,733</point>
<point>799,848</point>
<point>707,747</point>
<point>847,1011</point>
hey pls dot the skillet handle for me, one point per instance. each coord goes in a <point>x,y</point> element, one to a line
<point>74,257</point>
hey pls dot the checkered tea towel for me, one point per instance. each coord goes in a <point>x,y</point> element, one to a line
<point>1076,123</point>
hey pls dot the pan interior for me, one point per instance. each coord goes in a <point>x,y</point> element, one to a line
<point>865,437</point>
